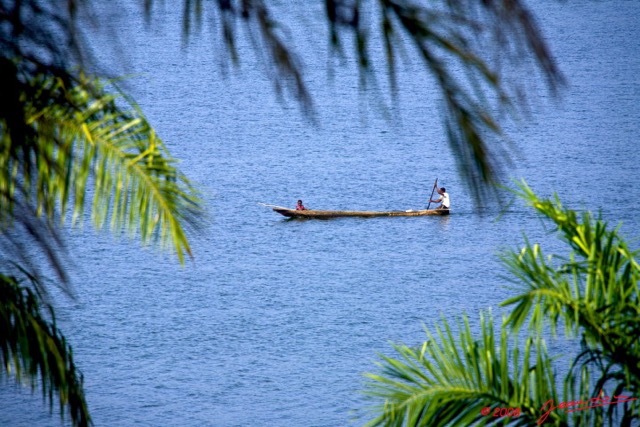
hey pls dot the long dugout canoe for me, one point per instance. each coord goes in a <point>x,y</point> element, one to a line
<point>310,213</point>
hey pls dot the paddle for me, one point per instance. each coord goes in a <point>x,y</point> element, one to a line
<point>434,189</point>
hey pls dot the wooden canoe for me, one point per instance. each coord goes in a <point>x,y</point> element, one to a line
<point>292,213</point>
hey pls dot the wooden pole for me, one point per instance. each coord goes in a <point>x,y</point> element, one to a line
<point>434,189</point>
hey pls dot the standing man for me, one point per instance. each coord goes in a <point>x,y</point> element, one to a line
<point>443,200</point>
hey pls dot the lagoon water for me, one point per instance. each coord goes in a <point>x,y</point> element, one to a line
<point>274,322</point>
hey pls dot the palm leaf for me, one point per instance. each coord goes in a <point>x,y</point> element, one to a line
<point>593,291</point>
<point>450,379</point>
<point>34,351</point>
<point>93,139</point>
<point>488,40</point>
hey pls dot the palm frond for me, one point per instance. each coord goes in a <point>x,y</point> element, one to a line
<point>594,291</point>
<point>34,351</point>
<point>490,40</point>
<point>450,379</point>
<point>92,138</point>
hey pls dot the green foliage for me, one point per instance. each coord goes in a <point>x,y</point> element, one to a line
<point>592,292</point>
<point>450,379</point>
<point>70,146</point>
<point>75,138</point>
<point>493,42</point>
<point>81,135</point>
<point>34,351</point>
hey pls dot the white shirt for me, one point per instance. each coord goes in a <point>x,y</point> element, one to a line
<point>445,200</point>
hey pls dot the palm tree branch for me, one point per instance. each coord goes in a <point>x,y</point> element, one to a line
<point>436,385</point>
<point>32,345</point>
<point>111,143</point>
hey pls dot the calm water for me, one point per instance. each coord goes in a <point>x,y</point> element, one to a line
<point>275,321</point>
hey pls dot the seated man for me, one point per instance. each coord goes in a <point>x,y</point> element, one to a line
<point>443,200</point>
<point>300,206</point>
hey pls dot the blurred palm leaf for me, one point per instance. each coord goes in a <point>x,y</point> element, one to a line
<point>476,51</point>
<point>34,351</point>
<point>89,141</point>
<point>69,147</point>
